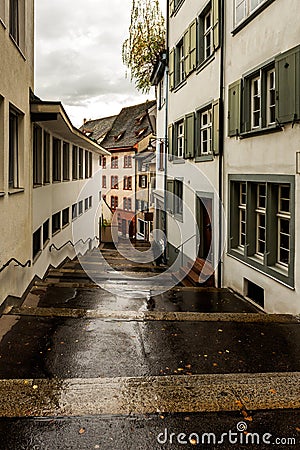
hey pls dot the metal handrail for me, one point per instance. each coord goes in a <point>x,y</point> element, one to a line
<point>181,245</point>
<point>72,244</point>
<point>28,263</point>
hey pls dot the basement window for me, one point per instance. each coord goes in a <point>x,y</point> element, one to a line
<point>254,292</point>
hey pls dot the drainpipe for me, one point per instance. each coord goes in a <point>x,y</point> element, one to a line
<point>221,136</point>
<point>165,256</point>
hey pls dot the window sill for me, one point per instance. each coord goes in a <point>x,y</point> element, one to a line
<point>56,181</point>
<point>260,131</point>
<point>204,158</point>
<point>3,24</point>
<point>46,243</point>
<point>37,185</point>
<point>13,191</point>
<point>273,272</point>
<point>179,86</point>
<point>177,160</point>
<point>55,232</point>
<point>2,194</point>
<point>65,226</point>
<point>46,183</point>
<point>252,16</point>
<point>66,180</point>
<point>205,63</point>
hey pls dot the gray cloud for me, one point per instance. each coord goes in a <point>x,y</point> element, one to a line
<point>78,55</point>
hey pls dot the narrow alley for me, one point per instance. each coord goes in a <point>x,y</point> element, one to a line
<point>83,367</point>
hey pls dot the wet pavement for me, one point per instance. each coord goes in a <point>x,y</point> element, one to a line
<point>120,365</point>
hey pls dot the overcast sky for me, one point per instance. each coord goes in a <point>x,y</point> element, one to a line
<point>79,56</point>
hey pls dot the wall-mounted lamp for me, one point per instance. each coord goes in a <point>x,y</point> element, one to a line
<point>153,141</point>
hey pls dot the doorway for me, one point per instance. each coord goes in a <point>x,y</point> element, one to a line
<point>204,208</point>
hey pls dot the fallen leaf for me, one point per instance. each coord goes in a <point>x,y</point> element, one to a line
<point>193,441</point>
<point>180,369</point>
<point>188,366</point>
<point>82,431</point>
<point>227,351</point>
<point>215,364</point>
<point>205,356</point>
<point>220,330</point>
<point>239,403</point>
<point>272,391</point>
<point>297,429</point>
<point>162,417</point>
<point>34,386</point>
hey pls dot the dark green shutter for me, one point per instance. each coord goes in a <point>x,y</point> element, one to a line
<point>171,69</point>
<point>287,73</point>
<point>170,141</point>
<point>246,116</point>
<point>215,23</point>
<point>189,131</point>
<point>170,196</point>
<point>234,108</point>
<point>186,52</point>
<point>193,45</point>
<point>215,126</point>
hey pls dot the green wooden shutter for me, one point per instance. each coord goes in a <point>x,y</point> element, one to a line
<point>171,6</point>
<point>193,45</point>
<point>170,196</point>
<point>171,69</point>
<point>287,78</point>
<point>246,116</point>
<point>171,150</point>
<point>234,108</point>
<point>189,131</point>
<point>215,126</point>
<point>215,23</point>
<point>186,52</point>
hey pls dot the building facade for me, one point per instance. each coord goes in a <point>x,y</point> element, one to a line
<point>48,169</point>
<point>232,111</point>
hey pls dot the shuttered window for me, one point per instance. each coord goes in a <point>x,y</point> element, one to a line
<point>234,108</point>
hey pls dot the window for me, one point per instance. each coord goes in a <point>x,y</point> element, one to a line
<point>127,183</point>
<point>179,63</point>
<point>80,207</point>
<point>125,203</point>
<point>129,204</point>
<point>207,35</point>
<point>179,129</point>
<point>260,104</point>
<point>86,204</point>
<point>244,8</point>
<point>161,156</point>
<point>37,155</point>
<point>127,161</point>
<point>13,175</point>
<point>86,164</point>
<point>14,20</point>
<point>46,157</point>
<point>141,227</point>
<point>56,218</point>
<point>66,161</point>
<point>205,132</point>
<point>142,181</point>
<point>90,201</point>
<point>36,242</point>
<point>161,93</point>
<point>74,211</point>
<point>283,226</point>
<point>80,164</point>
<point>75,162</point>
<point>104,162</point>
<point>65,217</point>
<point>242,214</point>
<point>178,197</point>
<point>45,232</point>
<point>262,223</point>
<point>114,182</point>
<point>56,157</point>
<point>114,162</point>
<point>113,202</point>
<point>90,164</point>
<point>104,181</point>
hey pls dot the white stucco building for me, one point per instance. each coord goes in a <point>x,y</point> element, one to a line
<point>49,170</point>
<point>232,109</point>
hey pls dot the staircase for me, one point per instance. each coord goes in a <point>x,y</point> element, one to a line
<point>199,273</point>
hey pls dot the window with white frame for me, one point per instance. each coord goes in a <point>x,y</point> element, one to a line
<point>242,214</point>
<point>255,102</point>
<point>208,36</point>
<point>114,182</point>
<point>261,219</point>
<point>56,159</point>
<point>244,8</point>
<point>179,62</point>
<point>127,161</point>
<point>66,161</point>
<point>179,128</point>
<point>271,97</point>
<point>127,183</point>
<point>104,181</point>
<point>46,159</point>
<point>113,202</point>
<point>114,162</point>
<point>284,232</point>
<point>205,131</point>
<point>80,164</point>
<point>75,162</point>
